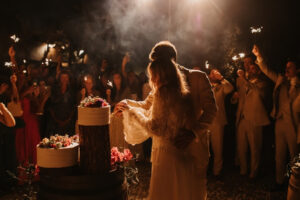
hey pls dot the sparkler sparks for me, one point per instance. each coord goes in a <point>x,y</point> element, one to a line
<point>109,83</point>
<point>51,45</point>
<point>8,64</point>
<point>206,64</point>
<point>81,52</point>
<point>235,58</point>
<point>256,29</point>
<point>242,55</point>
<point>15,38</point>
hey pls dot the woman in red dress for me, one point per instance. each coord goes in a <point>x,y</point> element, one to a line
<point>28,137</point>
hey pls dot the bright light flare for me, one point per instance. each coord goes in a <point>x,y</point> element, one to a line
<point>38,52</point>
<point>24,71</point>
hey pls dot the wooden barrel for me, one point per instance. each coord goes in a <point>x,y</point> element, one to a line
<point>94,139</point>
<point>94,149</point>
<point>83,187</point>
<point>294,185</point>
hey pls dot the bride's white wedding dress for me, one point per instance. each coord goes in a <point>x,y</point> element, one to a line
<point>173,170</point>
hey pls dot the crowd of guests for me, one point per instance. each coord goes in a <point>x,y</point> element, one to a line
<point>43,103</point>
<point>258,113</point>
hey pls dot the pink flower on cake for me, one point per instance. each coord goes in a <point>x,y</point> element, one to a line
<point>93,102</point>
<point>58,141</point>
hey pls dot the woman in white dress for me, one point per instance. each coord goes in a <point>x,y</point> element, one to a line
<point>171,109</point>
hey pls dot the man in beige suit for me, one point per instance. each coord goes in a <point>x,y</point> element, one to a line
<point>285,92</point>
<point>251,117</point>
<point>221,88</point>
<point>194,141</point>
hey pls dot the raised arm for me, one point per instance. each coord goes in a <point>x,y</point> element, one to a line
<point>6,117</point>
<point>263,66</point>
<point>228,87</point>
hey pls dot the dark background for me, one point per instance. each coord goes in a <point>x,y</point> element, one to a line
<point>89,24</point>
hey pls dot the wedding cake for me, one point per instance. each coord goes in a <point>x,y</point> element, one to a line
<point>58,152</point>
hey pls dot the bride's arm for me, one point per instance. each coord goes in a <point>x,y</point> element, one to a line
<point>146,104</point>
<point>154,124</point>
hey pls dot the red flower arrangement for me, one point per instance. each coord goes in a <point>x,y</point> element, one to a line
<point>118,157</point>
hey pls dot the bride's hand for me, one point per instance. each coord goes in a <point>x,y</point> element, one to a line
<point>120,107</point>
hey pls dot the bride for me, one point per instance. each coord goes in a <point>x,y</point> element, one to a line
<point>167,109</point>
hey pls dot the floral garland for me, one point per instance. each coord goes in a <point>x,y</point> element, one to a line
<point>93,102</point>
<point>58,141</point>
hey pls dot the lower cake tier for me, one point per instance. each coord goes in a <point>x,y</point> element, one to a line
<point>83,187</point>
<point>57,158</point>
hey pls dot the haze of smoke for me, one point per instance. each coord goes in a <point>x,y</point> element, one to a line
<point>198,30</point>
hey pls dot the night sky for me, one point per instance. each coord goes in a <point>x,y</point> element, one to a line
<point>89,24</point>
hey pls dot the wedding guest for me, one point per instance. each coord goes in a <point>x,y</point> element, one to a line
<point>29,136</point>
<point>286,90</point>
<point>119,91</point>
<point>103,85</point>
<point>7,147</point>
<point>221,87</point>
<point>252,117</point>
<point>88,89</point>
<point>61,107</point>
<point>131,78</point>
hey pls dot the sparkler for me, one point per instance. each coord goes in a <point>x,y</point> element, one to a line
<point>109,83</point>
<point>235,58</point>
<point>51,45</point>
<point>256,29</point>
<point>47,61</point>
<point>15,38</point>
<point>242,55</point>
<point>238,57</point>
<point>8,64</point>
<point>81,52</point>
<point>206,64</point>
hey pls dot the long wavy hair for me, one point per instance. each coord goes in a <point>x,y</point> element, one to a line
<point>169,83</point>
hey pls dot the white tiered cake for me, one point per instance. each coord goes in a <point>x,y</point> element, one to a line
<point>58,152</point>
